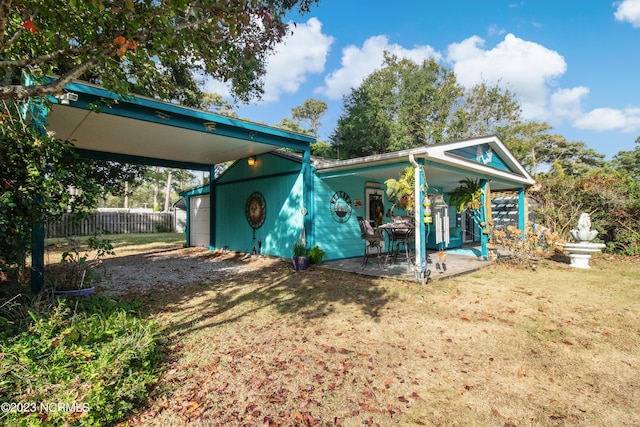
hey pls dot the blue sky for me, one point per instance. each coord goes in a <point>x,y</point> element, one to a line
<point>572,63</point>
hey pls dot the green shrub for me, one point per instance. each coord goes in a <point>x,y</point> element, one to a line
<point>99,359</point>
<point>160,227</point>
<point>316,255</point>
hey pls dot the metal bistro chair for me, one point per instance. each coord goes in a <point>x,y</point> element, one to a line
<point>402,236</point>
<point>372,239</point>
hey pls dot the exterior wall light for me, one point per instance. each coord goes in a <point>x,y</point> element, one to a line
<point>251,161</point>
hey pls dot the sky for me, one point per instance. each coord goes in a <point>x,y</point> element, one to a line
<point>574,64</point>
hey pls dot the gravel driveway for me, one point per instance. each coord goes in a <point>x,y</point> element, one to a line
<point>172,269</point>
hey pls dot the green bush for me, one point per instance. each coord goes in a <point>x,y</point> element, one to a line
<point>98,359</point>
<point>316,255</point>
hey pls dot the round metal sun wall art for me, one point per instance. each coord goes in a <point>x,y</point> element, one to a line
<point>255,210</point>
<point>340,206</point>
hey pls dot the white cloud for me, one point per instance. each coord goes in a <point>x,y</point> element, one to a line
<point>358,62</point>
<point>526,68</point>
<point>567,103</point>
<point>302,53</point>
<point>606,119</point>
<point>629,10</point>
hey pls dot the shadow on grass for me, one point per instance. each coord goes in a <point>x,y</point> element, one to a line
<point>237,289</point>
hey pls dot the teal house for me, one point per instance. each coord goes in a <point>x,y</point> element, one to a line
<point>270,198</point>
<point>265,203</point>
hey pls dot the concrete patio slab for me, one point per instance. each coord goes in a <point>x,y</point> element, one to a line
<point>455,264</point>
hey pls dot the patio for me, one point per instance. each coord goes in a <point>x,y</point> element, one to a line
<point>458,261</point>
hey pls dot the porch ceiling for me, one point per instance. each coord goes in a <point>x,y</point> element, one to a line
<point>125,136</point>
<point>436,176</point>
<point>145,130</point>
<point>442,166</point>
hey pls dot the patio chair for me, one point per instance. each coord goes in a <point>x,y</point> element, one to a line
<point>372,239</point>
<point>402,237</point>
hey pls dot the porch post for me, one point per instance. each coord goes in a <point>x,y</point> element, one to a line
<point>37,255</point>
<point>38,111</point>
<point>212,207</point>
<point>484,238</point>
<point>419,195</point>
<point>523,210</point>
<point>307,197</point>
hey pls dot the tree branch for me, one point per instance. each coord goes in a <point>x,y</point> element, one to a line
<point>48,57</point>
<point>55,87</point>
<point>5,6</point>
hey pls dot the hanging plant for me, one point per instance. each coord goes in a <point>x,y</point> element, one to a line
<point>467,195</point>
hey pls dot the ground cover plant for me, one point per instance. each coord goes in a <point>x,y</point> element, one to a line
<point>86,362</point>
<point>504,346</point>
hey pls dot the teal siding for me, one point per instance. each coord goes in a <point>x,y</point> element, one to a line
<point>266,164</point>
<point>475,153</point>
<point>340,240</point>
<point>280,182</point>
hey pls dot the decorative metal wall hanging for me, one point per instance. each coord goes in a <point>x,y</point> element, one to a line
<point>340,206</point>
<point>255,210</point>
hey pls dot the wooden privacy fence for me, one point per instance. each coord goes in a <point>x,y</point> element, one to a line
<point>112,222</point>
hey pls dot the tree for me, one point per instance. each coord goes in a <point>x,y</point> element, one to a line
<point>291,125</point>
<point>215,102</point>
<point>151,47</point>
<point>309,114</point>
<point>574,158</point>
<point>37,172</point>
<point>628,161</point>
<point>611,198</point>
<point>402,105</point>
<point>485,110</point>
<point>121,43</point>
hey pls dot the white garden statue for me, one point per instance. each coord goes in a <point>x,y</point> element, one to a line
<point>584,233</point>
<point>580,252</point>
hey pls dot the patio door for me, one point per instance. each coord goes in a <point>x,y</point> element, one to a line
<point>374,206</point>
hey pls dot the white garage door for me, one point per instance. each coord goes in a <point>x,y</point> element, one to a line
<point>199,221</point>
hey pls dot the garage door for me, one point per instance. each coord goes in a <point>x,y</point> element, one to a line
<point>199,221</point>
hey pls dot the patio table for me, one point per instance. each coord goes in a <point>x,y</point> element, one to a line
<point>399,233</point>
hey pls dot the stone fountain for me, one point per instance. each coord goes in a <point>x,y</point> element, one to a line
<point>580,251</point>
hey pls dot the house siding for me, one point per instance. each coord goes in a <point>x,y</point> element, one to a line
<point>340,239</point>
<point>279,180</point>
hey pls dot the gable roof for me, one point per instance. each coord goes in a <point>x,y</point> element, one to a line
<point>445,164</point>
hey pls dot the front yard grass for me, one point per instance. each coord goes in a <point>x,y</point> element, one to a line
<point>499,347</point>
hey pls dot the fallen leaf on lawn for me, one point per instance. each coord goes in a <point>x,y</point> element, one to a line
<point>497,413</point>
<point>417,396</point>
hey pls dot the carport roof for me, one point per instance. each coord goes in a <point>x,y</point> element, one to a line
<point>444,164</point>
<point>143,130</point>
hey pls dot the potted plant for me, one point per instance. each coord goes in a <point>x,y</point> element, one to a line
<point>300,258</point>
<point>77,272</point>
<point>316,255</point>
